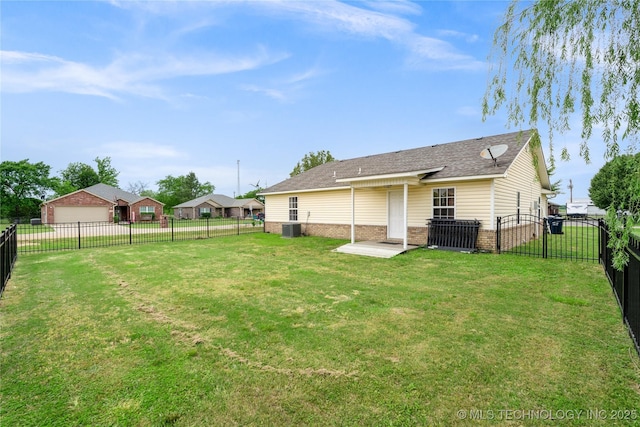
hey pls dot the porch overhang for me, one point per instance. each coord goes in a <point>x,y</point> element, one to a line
<point>385,180</point>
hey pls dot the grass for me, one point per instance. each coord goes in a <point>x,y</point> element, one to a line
<point>575,242</point>
<point>177,223</point>
<point>256,329</point>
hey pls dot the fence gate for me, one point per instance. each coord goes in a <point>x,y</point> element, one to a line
<point>554,237</point>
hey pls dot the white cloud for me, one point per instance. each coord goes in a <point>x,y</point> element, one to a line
<point>431,53</point>
<point>140,150</point>
<point>396,6</point>
<point>286,89</point>
<point>470,38</point>
<point>378,19</point>
<point>271,93</point>
<point>130,74</point>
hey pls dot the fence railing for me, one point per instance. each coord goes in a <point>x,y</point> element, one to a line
<point>8,254</point>
<point>575,239</point>
<point>80,235</point>
<point>453,234</point>
<point>625,284</point>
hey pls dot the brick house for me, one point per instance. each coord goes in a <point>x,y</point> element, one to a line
<point>100,203</point>
<point>218,205</point>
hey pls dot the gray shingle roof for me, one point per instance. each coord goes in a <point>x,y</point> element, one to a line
<point>220,199</point>
<point>112,193</point>
<point>458,159</point>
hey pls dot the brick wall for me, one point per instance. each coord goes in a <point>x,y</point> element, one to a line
<point>135,208</point>
<point>415,236</point>
<point>80,198</point>
<point>518,235</point>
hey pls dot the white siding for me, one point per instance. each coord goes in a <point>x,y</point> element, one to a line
<point>521,177</point>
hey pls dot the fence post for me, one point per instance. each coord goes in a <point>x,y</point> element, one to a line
<point>498,231</point>
<point>238,225</point>
<point>172,237</point>
<point>208,228</point>
<point>130,239</point>
<point>544,238</point>
<point>79,234</point>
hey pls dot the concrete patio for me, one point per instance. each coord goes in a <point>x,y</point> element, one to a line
<point>375,249</point>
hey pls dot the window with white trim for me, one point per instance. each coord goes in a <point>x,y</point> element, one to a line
<point>293,208</point>
<point>147,209</point>
<point>205,211</point>
<point>444,203</point>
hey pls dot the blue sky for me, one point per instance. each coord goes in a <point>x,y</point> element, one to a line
<point>165,88</point>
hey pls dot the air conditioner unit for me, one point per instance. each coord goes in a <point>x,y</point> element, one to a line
<point>291,230</point>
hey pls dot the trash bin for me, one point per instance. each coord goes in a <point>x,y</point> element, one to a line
<point>555,224</point>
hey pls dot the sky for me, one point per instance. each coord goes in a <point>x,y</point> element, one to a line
<point>247,88</point>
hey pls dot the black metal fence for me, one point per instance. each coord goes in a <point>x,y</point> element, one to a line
<point>8,254</point>
<point>80,235</point>
<point>575,239</point>
<point>625,284</point>
<point>452,234</point>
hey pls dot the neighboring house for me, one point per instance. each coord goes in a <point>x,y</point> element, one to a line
<point>553,209</point>
<point>100,202</point>
<point>217,205</point>
<point>391,197</point>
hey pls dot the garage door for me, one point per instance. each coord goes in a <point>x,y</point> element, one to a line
<point>81,213</point>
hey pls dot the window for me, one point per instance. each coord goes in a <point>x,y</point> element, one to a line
<point>444,203</point>
<point>205,211</point>
<point>293,208</point>
<point>147,209</point>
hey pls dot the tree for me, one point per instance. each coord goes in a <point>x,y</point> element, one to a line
<point>558,56</point>
<point>562,55</point>
<point>80,175</point>
<point>76,176</point>
<point>175,190</point>
<point>23,186</point>
<point>617,184</point>
<point>138,188</point>
<point>311,160</point>
<point>107,174</point>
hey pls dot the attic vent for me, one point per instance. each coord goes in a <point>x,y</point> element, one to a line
<point>478,139</point>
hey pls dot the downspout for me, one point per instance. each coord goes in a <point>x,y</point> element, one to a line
<point>353,215</point>
<point>493,205</point>
<point>405,217</point>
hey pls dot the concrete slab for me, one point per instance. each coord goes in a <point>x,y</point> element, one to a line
<point>374,249</point>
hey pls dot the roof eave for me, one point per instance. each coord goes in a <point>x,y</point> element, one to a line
<point>310,190</point>
<point>463,178</point>
<point>410,174</point>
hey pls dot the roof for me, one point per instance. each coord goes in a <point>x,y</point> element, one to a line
<point>109,193</point>
<point>440,161</point>
<point>219,199</point>
<point>112,193</point>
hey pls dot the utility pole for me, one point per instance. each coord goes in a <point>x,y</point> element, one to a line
<point>570,191</point>
<point>238,193</point>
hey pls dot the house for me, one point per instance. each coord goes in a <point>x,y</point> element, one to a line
<point>217,205</point>
<point>100,202</point>
<point>392,196</point>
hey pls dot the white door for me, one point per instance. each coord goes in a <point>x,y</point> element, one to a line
<point>395,227</point>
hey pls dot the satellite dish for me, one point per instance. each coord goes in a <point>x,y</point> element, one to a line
<point>493,152</point>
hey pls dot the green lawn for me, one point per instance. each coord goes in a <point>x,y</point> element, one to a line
<point>189,223</point>
<point>261,330</point>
